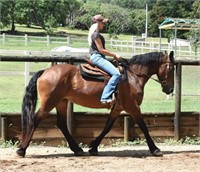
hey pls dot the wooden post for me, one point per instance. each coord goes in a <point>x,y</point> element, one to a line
<point>27,70</point>
<point>199,123</point>
<point>26,39</point>
<point>0,127</point>
<point>68,41</point>
<point>4,38</point>
<point>177,101</point>
<point>126,128</point>
<point>70,111</point>
<point>48,40</point>
<point>3,128</point>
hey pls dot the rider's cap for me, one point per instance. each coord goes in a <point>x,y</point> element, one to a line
<point>99,18</point>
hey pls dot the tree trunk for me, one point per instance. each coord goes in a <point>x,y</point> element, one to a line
<point>13,25</point>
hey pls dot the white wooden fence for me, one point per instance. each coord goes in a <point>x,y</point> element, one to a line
<point>139,46</point>
<point>27,40</point>
<point>133,47</point>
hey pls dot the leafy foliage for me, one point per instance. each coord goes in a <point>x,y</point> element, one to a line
<point>45,13</point>
<point>195,34</point>
<point>168,9</point>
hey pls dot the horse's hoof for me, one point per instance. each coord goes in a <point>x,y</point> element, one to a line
<point>79,153</point>
<point>93,153</point>
<point>157,152</point>
<point>21,152</point>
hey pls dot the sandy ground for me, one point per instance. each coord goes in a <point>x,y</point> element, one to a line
<point>111,159</point>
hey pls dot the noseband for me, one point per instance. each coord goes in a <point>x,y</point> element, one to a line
<point>164,82</point>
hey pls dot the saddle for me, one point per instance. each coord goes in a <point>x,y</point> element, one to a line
<point>92,72</point>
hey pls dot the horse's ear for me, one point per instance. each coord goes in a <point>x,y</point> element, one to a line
<point>171,56</point>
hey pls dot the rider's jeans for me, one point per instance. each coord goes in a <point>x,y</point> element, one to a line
<point>100,61</point>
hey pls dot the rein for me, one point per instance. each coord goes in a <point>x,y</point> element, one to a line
<point>164,82</point>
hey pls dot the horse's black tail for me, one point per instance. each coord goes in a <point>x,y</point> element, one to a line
<point>29,101</point>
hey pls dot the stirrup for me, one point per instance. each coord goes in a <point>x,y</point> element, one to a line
<point>114,96</point>
<point>109,101</point>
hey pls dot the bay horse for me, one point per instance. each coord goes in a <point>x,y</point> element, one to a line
<point>62,83</point>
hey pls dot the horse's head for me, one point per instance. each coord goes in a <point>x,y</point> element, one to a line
<point>166,73</point>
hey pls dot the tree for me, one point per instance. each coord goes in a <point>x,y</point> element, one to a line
<point>24,12</point>
<point>165,8</point>
<point>130,4</point>
<point>196,9</point>
<point>121,20</point>
<point>139,19</point>
<point>8,13</point>
<point>45,13</point>
<point>195,34</point>
<point>4,17</point>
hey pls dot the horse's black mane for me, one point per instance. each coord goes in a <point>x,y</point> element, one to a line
<point>145,59</point>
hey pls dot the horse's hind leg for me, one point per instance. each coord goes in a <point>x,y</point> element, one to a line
<point>32,125</point>
<point>62,125</point>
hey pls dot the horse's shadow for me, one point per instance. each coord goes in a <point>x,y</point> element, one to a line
<point>121,153</point>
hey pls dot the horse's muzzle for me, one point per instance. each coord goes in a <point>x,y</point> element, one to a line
<point>168,90</point>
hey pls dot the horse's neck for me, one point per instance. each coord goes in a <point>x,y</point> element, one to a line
<point>144,73</point>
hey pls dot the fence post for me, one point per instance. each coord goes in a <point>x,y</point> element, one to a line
<point>142,46</point>
<point>48,40</point>
<point>27,70</point>
<point>3,128</point>
<point>177,101</point>
<point>70,111</point>
<point>68,41</point>
<point>4,38</point>
<point>126,128</point>
<point>0,127</point>
<point>26,39</point>
<point>199,123</point>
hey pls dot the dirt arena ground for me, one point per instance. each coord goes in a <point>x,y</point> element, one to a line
<point>111,159</point>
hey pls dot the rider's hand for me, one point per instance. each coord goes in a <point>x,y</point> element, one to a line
<point>118,57</point>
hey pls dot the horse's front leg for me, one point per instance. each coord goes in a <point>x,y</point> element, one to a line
<point>110,121</point>
<point>152,147</point>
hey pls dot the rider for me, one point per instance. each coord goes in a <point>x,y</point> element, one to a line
<point>98,57</point>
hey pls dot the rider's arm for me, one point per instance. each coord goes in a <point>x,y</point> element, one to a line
<point>104,51</point>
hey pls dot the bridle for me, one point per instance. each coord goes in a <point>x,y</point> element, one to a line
<point>163,82</point>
